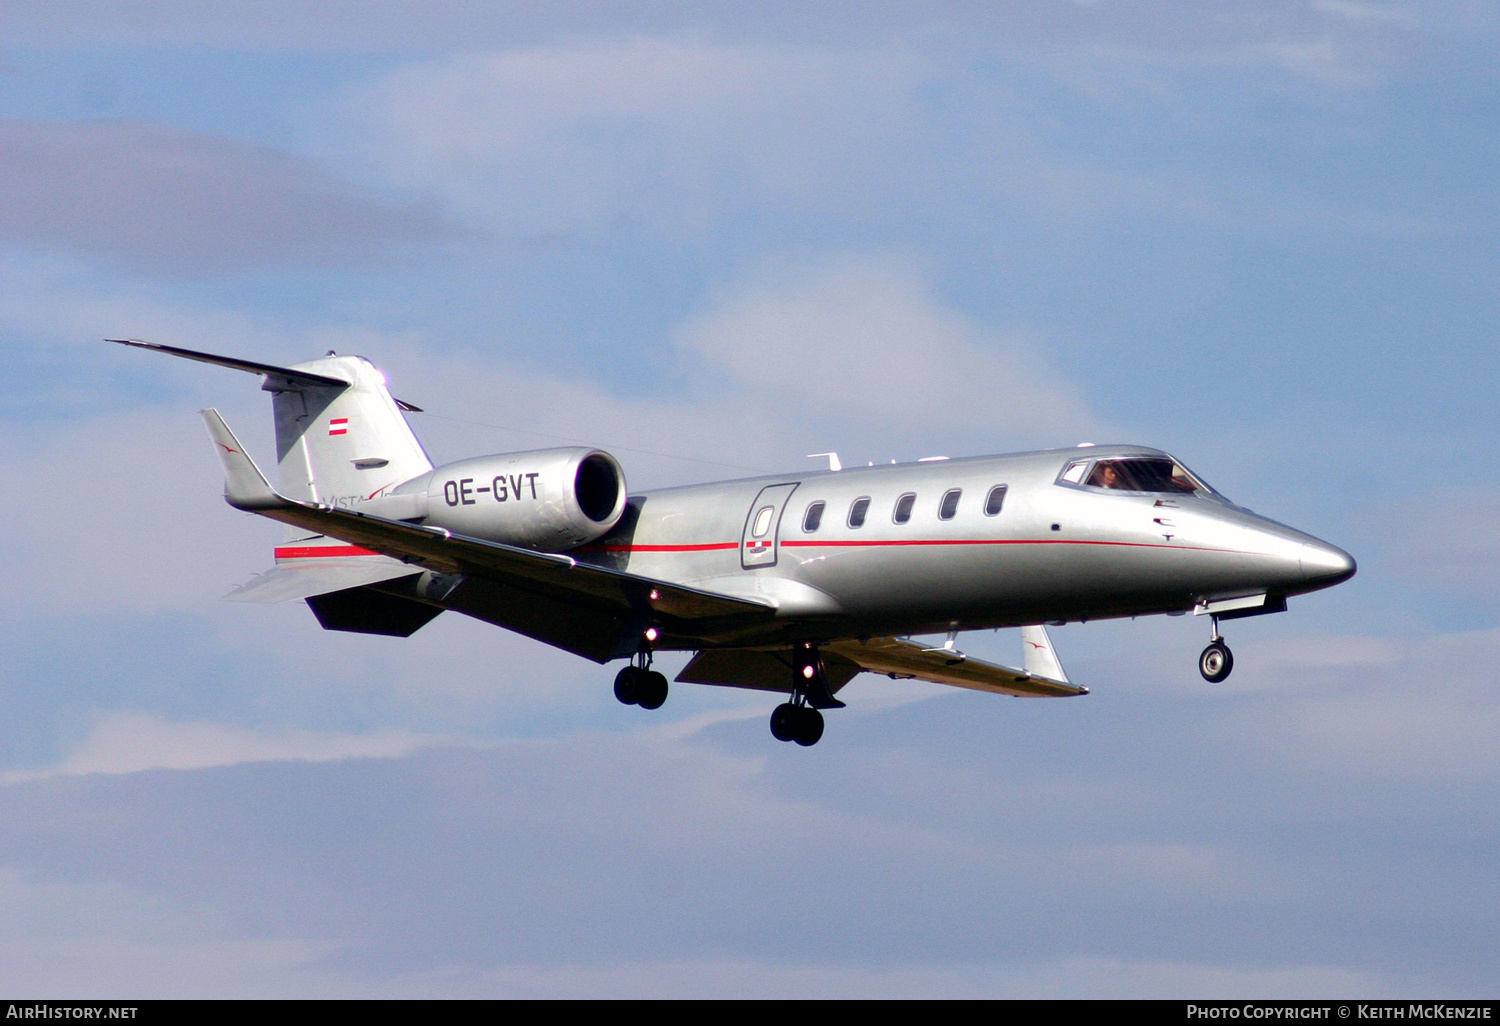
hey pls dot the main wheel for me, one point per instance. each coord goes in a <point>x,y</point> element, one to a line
<point>628,685</point>
<point>651,690</point>
<point>784,722</point>
<point>809,726</point>
<point>1215,662</point>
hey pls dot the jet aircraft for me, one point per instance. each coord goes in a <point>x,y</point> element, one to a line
<point>791,583</point>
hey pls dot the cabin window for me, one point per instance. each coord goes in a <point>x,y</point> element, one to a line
<point>858,510</point>
<point>762,521</point>
<point>904,504</point>
<point>813,517</point>
<point>949,506</point>
<point>995,501</point>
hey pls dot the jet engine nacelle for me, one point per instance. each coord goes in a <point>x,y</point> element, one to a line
<point>547,499</point>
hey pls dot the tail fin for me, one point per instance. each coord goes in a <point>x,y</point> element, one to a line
<point>341,439</point>
<point>341,445</point>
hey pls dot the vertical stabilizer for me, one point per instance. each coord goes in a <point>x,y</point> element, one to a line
<point>341,445</point>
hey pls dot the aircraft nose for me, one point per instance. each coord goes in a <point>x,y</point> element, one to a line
<point>1326,565</point>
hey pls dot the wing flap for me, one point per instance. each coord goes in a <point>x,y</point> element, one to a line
<point>897,657</point>
<point>759,669</point>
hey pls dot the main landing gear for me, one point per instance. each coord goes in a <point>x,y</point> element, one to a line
<point>1216,660</point>
<point>800,723</point>
<point>638,684</point>
<point>799,719</point>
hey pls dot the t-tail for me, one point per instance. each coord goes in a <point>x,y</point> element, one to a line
<point>343,441</point>
<point>341,438</point>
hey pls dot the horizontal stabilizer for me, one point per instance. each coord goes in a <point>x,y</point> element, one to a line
<point>897,657</point>
<point>294,376</point>
<point>284,583</point>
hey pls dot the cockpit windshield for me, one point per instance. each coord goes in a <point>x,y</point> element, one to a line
<point>1135,474</point>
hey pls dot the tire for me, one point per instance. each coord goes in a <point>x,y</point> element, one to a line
<point>651,690</point>
<point>628,685</point>
<point>1216,662</point>
<point>809,727</point>
<point>784,722</point>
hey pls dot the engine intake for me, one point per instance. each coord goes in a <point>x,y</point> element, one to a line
<point>550,500</point>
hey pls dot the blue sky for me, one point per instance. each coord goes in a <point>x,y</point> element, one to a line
<point>712,238</point>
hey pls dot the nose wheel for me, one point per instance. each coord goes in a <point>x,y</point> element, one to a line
<point>1216,660</point>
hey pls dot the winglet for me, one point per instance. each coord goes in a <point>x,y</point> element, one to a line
<point>1041,657</point>
<point>245,487</point>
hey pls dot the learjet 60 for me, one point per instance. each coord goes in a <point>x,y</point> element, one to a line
<point>792,583</point>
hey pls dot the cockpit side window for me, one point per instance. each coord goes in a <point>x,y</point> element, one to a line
<point>1137,474</point>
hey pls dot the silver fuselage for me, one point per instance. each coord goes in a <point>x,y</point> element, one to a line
<point>1055,552</point>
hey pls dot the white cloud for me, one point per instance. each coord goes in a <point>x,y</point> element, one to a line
<point>590,865</point>
<point>863,340</point>
<point>672,134</point>
<point>129,742</point>
<point>1307,651</point>
<point>1420,709</point>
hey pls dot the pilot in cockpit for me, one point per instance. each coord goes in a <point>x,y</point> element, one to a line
<point>1106,475</point>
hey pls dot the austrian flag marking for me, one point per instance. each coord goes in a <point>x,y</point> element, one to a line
<point>339,426</point>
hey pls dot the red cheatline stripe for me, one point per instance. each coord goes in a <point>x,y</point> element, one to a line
<point>713,547</point>
<point>321,551</point>
<point>901,541</point>
<point>330,551</point>
<point>987,541</point>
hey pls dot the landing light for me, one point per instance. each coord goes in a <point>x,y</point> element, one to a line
<point>807,671</point>
<point>650,633</point>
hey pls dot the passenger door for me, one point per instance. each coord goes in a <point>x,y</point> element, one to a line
<point>763,526</point>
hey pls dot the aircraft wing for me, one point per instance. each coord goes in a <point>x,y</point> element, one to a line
<point>898,657</point>
<point>610,607</point>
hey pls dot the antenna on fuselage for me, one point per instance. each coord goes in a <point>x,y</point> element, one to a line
<point>833,459</point>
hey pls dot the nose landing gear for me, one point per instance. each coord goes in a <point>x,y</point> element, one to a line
<point>638,684</point>
<point>1216,660</point>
